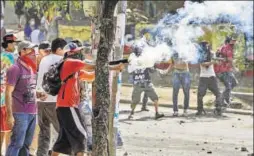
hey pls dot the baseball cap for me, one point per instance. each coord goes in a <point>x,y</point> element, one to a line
<point>45,45</point>
<point>72,47</point>
<point>9,38</point>
<point>25,44</point>
<point>78,42</point>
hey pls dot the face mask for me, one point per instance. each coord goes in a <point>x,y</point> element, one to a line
<point>30,60</point>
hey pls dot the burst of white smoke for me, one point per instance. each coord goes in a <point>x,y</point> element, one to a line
<point>184,27</point>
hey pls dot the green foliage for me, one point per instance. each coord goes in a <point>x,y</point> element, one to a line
<point>51,8</point>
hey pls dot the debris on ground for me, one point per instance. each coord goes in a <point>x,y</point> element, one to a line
<point>244,149</point>
<point>181,122</point>
<point>209,152</point>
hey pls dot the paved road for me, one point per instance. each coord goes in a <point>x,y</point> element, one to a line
<point>185,136</point>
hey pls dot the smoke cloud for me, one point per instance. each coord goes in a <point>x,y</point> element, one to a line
<point>179,32</point>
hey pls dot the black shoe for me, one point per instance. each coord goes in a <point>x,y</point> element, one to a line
<point>218,112</point>
<point>89,147</point>
<point>157,116</point>
<point>199,113</point>
<point>144,109</point>
<point>131,115</point>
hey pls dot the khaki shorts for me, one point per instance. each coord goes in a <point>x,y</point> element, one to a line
<point>137,91</point>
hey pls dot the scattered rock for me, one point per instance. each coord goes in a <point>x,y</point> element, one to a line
<point>197,144</point>
<point>251,154</point>
<point>205,142</point>
<point>233,126</point>
<point>209,152</point>
<point>162,139</point>
<point>125,154</point>
<point>163,132</point>
<point>203,149</point>
<point>244,149</point>
<point>236,148</point>
<point>220,138</point>
<point>239,119</point>
<point>181,122</point>
<point>160,150</point>
<point>194,92</point>
<point>236,105</point>
<point>136,133</point>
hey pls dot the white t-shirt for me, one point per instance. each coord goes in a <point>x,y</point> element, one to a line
<point>45,63</point>
<point>35,36</point>
<point>207,72</point>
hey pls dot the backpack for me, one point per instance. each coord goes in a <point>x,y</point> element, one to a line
<point>52,82</point>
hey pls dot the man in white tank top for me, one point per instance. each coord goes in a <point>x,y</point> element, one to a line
<point>208,80</point>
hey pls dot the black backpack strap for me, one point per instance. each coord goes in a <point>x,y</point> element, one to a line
<point>64,81</point>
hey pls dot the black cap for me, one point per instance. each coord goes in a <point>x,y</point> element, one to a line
<point>45,46</point>
<point>10,38</point>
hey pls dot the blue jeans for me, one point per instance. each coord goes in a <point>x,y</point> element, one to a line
<point>22,134</point>
<point>184,80</point>
<point>229,80</point>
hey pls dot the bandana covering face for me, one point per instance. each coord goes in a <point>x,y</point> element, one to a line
<point>30,60</point>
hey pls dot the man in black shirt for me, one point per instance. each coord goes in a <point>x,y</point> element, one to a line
<point>142,83</point>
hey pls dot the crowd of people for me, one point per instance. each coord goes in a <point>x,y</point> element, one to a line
<point>212,66</point>
<point>23,95</point>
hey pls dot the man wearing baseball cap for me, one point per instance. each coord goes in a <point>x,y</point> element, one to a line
<point>72,136</point>
<point>21,100</point>
<point>224,69</point>
<point>7,60</point>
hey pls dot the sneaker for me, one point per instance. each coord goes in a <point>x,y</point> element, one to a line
<point>199,113</point>
<point>185,112</point>
<point>218,112</point>
<point>144,109</point>
<point>175,114</point>
<point>131,115</point>
<point>89,147</point>
<point>157,116</point>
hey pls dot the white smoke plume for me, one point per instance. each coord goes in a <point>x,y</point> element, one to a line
<point>184,27</point>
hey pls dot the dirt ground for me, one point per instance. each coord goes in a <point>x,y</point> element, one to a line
<point>230,135</point>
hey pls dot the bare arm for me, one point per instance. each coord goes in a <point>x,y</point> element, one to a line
<point>8,102</point>
<point>118,67</point>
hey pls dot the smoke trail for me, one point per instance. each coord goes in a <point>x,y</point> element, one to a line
<point>183,28</point>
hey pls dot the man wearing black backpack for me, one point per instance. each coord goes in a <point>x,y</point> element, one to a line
<point>72,136</point>
<point>46,109</point>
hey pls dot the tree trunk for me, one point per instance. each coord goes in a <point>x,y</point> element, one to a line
<point>101,107</point>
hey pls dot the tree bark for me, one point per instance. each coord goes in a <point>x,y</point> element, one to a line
<point>101,107</point>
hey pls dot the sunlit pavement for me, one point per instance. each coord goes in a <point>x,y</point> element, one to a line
<point>185,136</point>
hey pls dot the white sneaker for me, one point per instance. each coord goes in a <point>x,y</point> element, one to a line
<point>185,112</point>
<point>175,114</point>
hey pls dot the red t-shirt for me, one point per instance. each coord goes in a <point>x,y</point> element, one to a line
<point>226,51</point>
<point>69,93</point>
